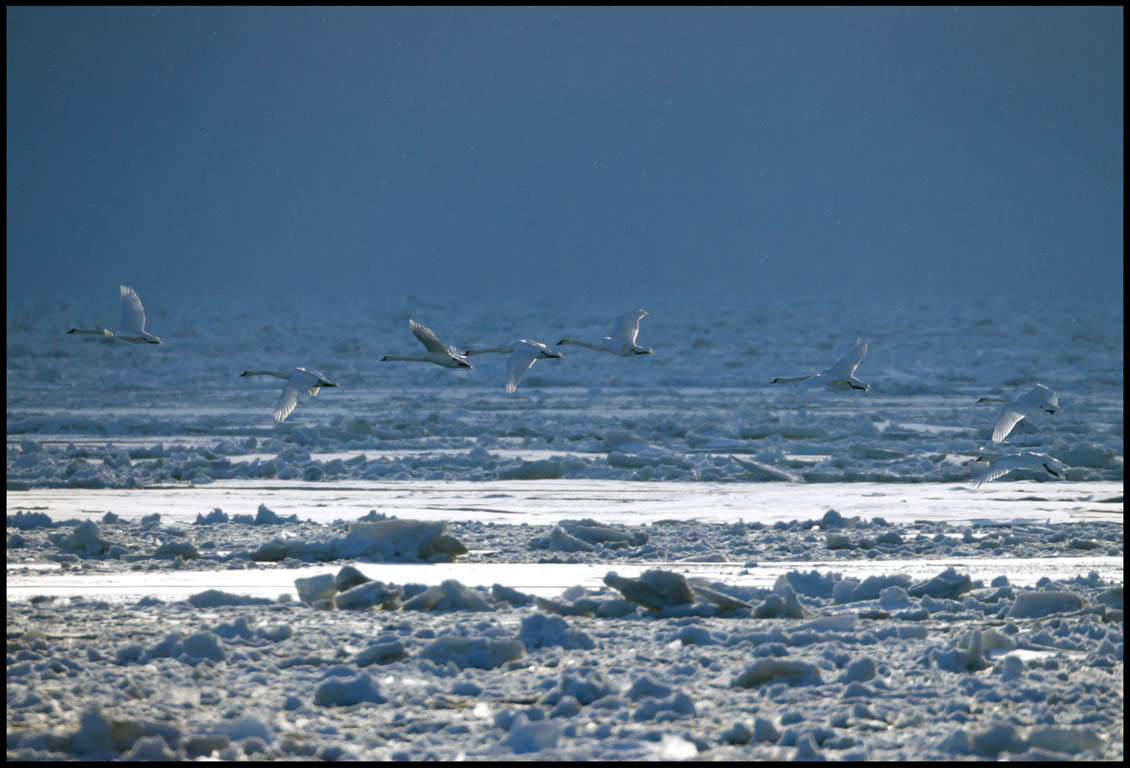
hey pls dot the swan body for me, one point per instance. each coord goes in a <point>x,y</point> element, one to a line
<point>1002,465</point>
<point>131,328</point>
<point>1037,399</point>
<point>622,342</point>
<point>297,381</point>
<point>523,354</point>
<point>437,352</point>
<point>838,375</point>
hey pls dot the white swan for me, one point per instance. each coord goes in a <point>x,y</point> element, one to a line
<point>132,325</point>
<point>838,375</point>
<point>299,380</point>
<point>1002,465</point>
<point>523,354</point>
<point>622,342</point>
<point>438,352</point>
<point>1039,398</point>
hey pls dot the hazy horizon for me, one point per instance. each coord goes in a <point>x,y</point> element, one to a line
<point>640,154</point>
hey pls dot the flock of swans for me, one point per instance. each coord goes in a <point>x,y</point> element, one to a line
<point>622,342</point>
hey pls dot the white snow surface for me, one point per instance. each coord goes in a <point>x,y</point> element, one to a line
<point>658,557</point>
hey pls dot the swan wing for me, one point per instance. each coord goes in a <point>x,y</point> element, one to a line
<point>519,362</point>
<point>1011,415</point>
<point>1005,464</point>
<point>429,339</point>
<point>133,314</point>
<point>287,400</point>
<point>628,326</point>
<point>992,472</point>
<point>1001,466</point>
<point>847,364</point>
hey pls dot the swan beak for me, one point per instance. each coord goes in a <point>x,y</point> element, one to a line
<point>383,359</point>
<point>561,342</point>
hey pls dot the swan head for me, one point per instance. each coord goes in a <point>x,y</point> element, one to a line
<point>385,358</point>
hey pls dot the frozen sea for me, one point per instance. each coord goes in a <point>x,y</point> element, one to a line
<point>658,557</point>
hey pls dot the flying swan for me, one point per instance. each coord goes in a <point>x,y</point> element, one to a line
<point>622,342</point>
<point>1039,398</point>
<point>297,381</point>
<point>1002,465</point>
<point>523,354</point>
<point>838,375</point>
<point>132,326</point>
<point>438,352</point>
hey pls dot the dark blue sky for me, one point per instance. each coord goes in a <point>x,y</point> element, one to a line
<point>628,152</point>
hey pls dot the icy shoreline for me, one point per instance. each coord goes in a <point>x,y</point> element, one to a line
<point>813,667</point>
<point>668,650</point>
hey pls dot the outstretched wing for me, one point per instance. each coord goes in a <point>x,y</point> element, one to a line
<point>847,364</point>
<point>287,400</point>
<point>997,468</point>
<point>133,314</point>
<point>519,362</point>
<point>428,338</point>
<point>628,326</point>
<point>1011,415</point>
<point>1005,464</point>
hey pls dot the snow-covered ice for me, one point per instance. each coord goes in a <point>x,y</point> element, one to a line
<point>653,557</point>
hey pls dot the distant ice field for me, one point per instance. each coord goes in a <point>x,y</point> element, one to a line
<point>91,413</point>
